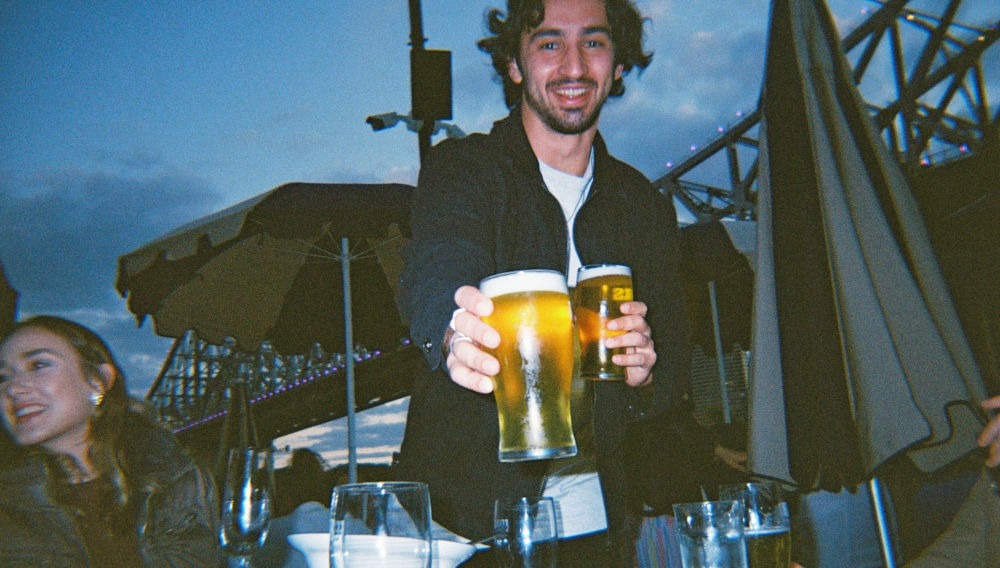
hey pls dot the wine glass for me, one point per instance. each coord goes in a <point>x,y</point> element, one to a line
<point>381,524</point>
<point>247,495</point>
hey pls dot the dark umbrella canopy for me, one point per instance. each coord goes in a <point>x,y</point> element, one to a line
<point>857,351</point>
<point>269,269</point>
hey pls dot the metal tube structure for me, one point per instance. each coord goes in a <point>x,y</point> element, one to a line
<point>882,522</point>
<point>417,40</point>
<point>720,359</point>
<point>352,449</point>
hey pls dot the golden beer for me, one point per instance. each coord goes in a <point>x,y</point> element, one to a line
<point>531,312</point>
<point>766,523</point>
<point>600,291</point>
<point>769,548</point>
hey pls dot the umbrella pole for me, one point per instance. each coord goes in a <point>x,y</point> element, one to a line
<point>881,522</point>
<point>352,450</point>
<point>719,358</point>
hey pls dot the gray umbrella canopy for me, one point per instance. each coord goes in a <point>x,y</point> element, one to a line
<point>858,354</point>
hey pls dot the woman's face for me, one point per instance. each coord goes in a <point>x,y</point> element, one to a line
<point>44,393</point>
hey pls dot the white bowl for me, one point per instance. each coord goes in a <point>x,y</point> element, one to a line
<point>316,548</point>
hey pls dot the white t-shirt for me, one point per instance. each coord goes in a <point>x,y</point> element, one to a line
<point>574,483</point>
<point>571,191</point>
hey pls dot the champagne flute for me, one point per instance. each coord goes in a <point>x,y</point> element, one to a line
<point>247,495</point>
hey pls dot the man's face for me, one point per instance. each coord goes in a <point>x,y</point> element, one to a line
<point>567,65</point>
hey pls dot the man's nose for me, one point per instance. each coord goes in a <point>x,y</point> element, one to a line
<point>574,64</point>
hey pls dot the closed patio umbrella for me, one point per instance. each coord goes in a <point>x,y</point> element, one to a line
<point>858,354</point>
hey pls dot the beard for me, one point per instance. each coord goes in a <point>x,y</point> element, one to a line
<point>563,121</point>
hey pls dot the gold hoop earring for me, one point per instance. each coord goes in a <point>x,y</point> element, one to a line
<point>97,397</point>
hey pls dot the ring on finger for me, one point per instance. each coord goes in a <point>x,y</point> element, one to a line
<point>455,338</point>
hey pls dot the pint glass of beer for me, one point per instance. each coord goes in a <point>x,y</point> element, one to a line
<point>531,312</point>
<point>766,525</point>
<point>600,291</point>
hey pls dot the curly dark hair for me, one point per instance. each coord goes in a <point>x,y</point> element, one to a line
<point>503,46</point>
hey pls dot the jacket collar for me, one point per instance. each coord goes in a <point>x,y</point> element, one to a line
<point>510,130</point>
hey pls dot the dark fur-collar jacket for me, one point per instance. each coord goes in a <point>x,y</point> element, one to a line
<point>175,500</point>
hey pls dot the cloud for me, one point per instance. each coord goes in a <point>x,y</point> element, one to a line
<point>64,231</point>
<point>379,435</point>
<point>392,413</point>
<point>63,236</point>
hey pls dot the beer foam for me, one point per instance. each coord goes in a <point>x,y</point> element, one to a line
<point>595,270</point>
<point>523,281</point>
<point>765,531</point>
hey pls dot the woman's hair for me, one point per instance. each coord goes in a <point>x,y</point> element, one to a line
<point>523,15</point>
<point>107,421</point>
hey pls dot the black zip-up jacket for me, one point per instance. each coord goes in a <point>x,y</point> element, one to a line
<point>481,207</point>
<point>176,514</point>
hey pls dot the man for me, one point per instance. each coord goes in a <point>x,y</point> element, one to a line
<point>539,191</point>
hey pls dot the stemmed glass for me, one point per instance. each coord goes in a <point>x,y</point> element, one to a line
<point>247,495</point>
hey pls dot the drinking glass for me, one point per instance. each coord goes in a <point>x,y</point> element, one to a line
<point>766,525</point>
<point>710,534</point>
<point>600,291</point>
<point>247,495</point>
<point>380,524</point>
<point>525,532</point>
<point>532,314</point>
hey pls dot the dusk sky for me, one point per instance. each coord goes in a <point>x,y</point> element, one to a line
<point>123,120</point>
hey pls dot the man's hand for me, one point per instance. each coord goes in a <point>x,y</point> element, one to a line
<point>733,458</point>
<point>639,356</point>
<point>468,365</point>
<point>990,436</point>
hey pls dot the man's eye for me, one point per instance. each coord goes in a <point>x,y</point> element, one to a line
<point>39,364</point>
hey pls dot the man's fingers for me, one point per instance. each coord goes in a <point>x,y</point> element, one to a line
<point>471,299</point>
<point>471,326</point>
<point>466,377</point>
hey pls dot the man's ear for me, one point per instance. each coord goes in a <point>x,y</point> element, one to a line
<point>619,69</point>
<point>514,71</point>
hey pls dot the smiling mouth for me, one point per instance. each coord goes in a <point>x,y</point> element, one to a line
<point>571,92</point>
<point>27,413</point>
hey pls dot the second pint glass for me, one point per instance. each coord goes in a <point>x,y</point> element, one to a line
<point>531,311</point>
<point>600,291</point>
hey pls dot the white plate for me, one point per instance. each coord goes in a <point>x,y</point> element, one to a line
<point>316,548</point>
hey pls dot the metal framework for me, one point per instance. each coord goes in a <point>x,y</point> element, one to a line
<point>940,109</point>
<point>194,381</point>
